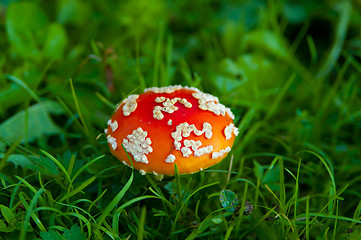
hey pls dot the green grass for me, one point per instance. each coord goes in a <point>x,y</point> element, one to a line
<point>289,70</point>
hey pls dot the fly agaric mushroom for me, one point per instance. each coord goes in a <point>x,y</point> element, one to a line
<point>171,125</point>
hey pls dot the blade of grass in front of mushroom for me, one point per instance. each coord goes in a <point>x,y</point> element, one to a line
<point>130,159</point>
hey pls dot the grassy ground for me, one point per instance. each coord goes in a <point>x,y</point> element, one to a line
<point>290,71</point>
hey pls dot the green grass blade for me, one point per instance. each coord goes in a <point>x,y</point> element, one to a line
<point>85,167</point>
<point>134,200</point>
<point>71,165</point>
<point>143,214</point>
<point>105,101</point>
<point>28,185</point>
<point>30,213</point>
<point>327,165</point>
<point>344,9</point>
<point>58,164</point>
<point>78,189</point>
<point>282,187</point>
<point>77,107</point>
<point>276,103</point>
<point>158,57</point>
<point>308,217</point>
<point>22,84</point>
<point>177,181</point>
<point>313,50</point>
<point>187,199</point>
<point>114,202</point>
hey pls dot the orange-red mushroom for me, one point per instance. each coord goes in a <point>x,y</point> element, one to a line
<point>171,125</point>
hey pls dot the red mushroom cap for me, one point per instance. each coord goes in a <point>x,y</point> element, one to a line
<point>169,125</point>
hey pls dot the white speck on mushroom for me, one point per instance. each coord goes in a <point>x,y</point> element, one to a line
<point>160,99</point>
<point>221,153</point>
<point>170,122</point>
<point>203,150</point>
<point>229,129</point>
<point>184,130</point>
<point>112,141</point>
<point>211,103</point>
<point>169,89</point>
<point>106,131</point>
<point>168,106</point>
<point>230,113</point>
<point>186,151</point>
<point>142,172</point>
<point>138,145</point>
<point>170,158</point>
<point>193,144</point>
<point>207,129</point>
<point>130,104</point>
<point>113,125</point>
<point>185,103</point>
<point>157,113</point>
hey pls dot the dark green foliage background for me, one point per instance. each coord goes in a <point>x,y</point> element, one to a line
<point>290,71</point>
